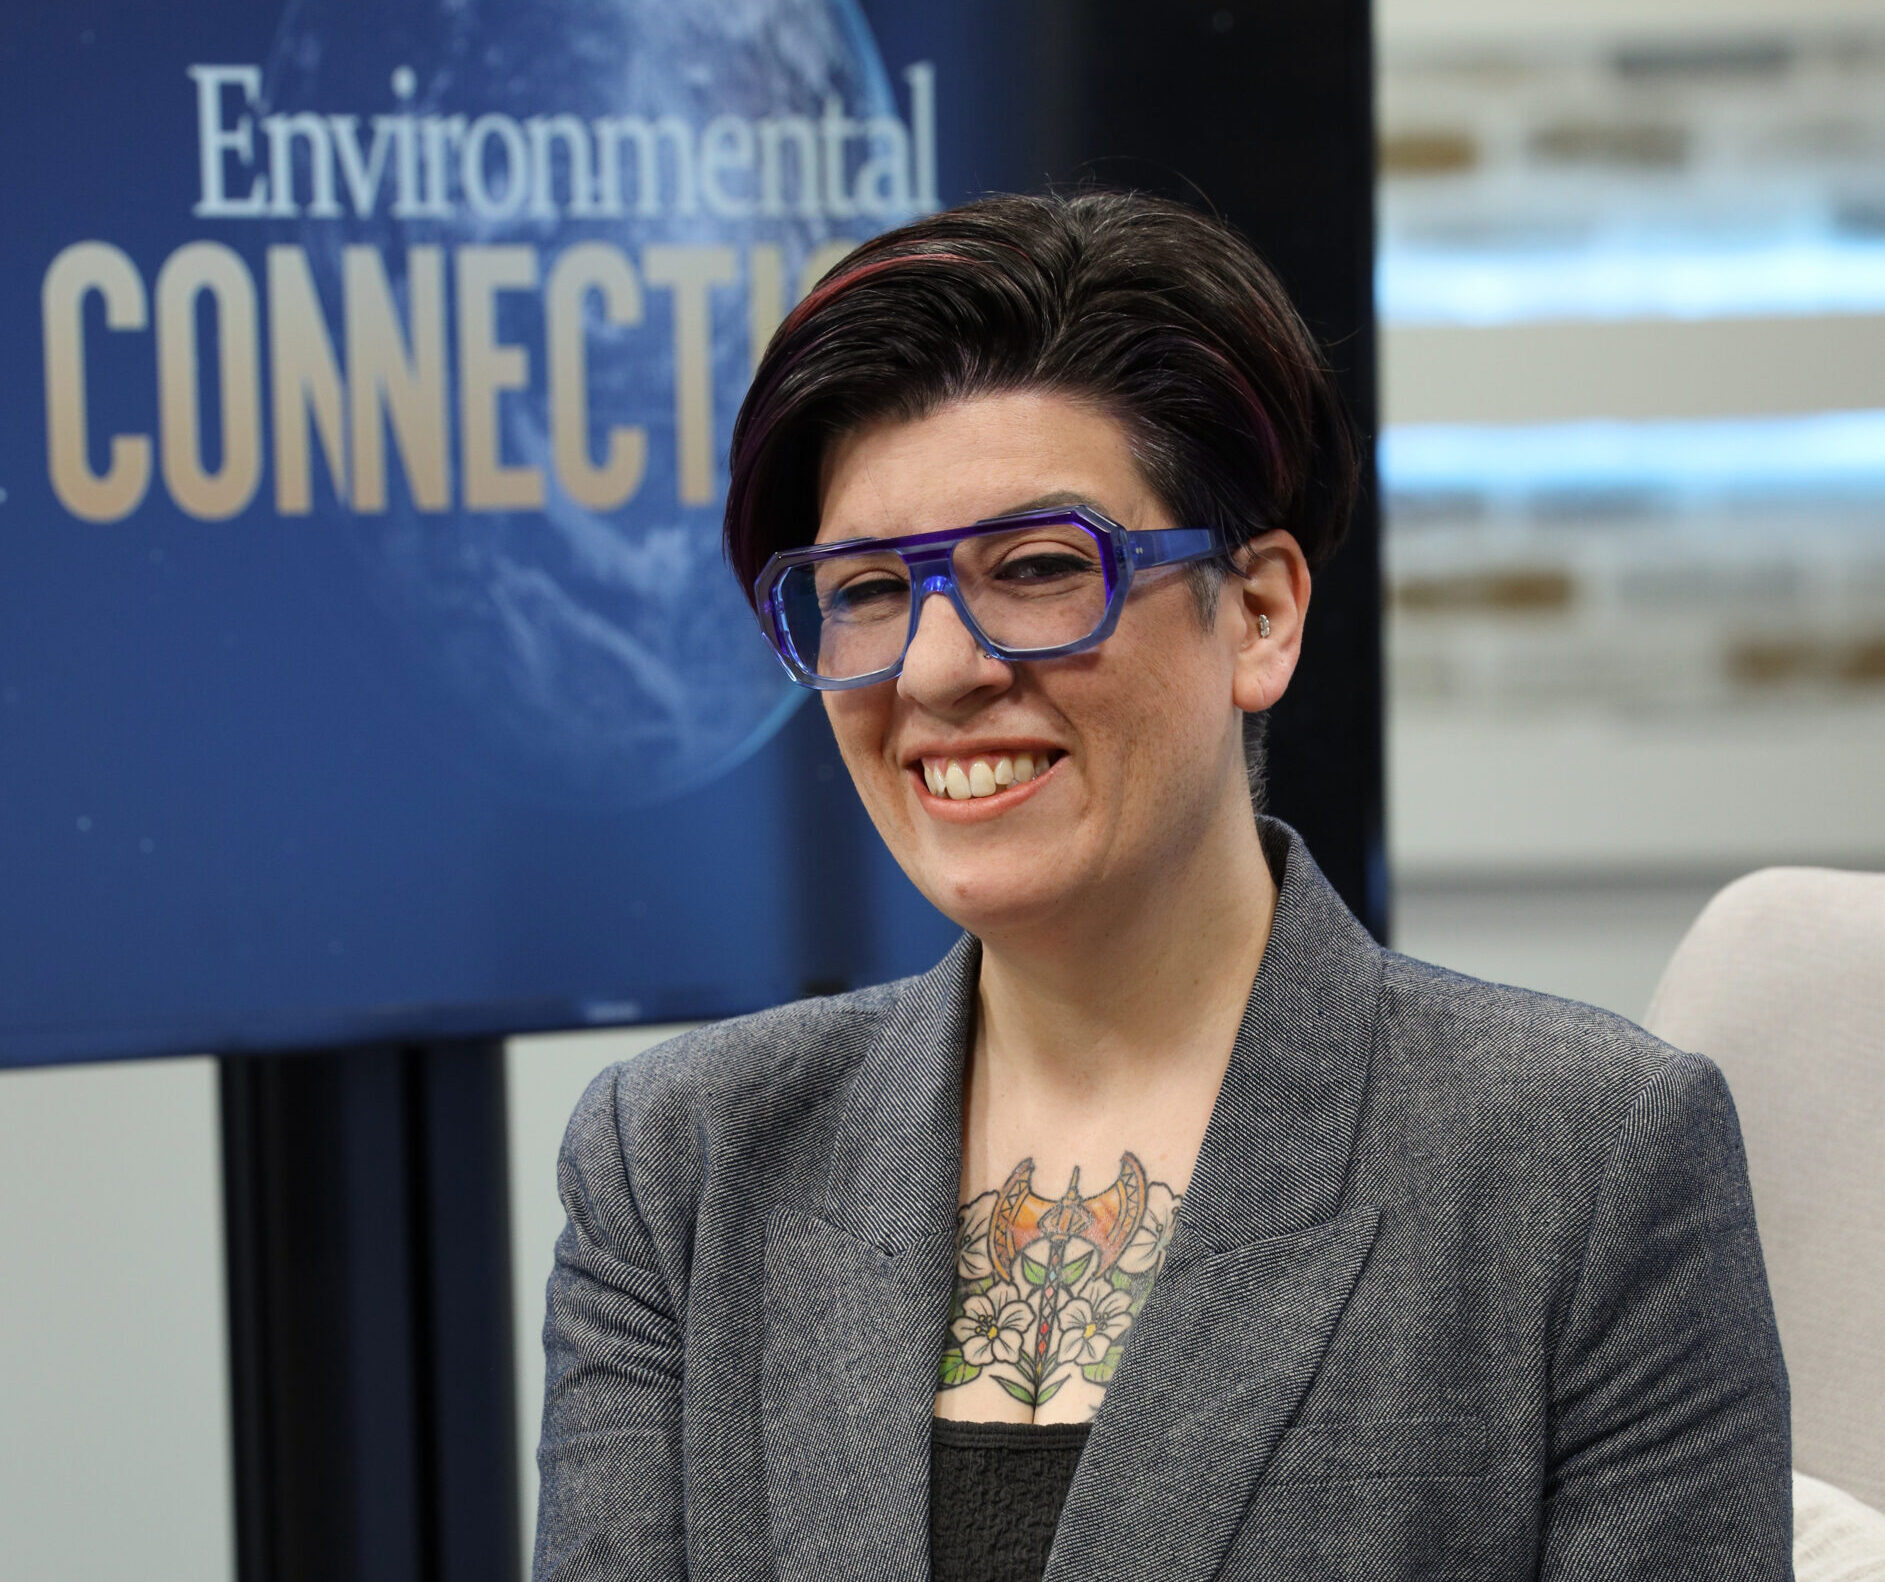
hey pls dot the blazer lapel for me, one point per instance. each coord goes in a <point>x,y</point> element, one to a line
<point>1260,1266</point>
<point>857,1302</point>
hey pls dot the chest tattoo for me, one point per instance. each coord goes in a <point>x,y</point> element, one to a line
<point>1046,1288</point>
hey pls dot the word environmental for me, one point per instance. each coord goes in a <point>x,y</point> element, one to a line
<point>367,354</point>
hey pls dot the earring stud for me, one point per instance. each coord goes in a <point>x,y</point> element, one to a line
<point>1263,626</point>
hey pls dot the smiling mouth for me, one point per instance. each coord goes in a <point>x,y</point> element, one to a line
<point>967,779</point>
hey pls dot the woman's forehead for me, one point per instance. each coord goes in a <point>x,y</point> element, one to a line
<point>985,456</point>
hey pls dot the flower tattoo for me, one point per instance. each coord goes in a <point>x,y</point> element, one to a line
<point>1046,1288</point>
<point>994,1325</point>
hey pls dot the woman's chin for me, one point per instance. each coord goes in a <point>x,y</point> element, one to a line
<point>992,904</point>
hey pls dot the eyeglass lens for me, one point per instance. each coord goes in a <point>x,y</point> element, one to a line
<point>1038,586</point>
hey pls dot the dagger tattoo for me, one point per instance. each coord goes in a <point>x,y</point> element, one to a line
<point>1046,1288</point>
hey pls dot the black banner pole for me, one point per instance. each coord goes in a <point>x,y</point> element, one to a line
<point>367,1209</point>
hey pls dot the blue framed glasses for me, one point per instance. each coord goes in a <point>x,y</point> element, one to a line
<point>1036,585</point>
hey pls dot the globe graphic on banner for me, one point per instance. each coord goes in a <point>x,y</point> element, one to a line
<point>602,657</point>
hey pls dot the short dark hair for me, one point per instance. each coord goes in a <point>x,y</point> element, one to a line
<point>1159,315</point>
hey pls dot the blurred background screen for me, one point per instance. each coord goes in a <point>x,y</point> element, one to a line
<point>1631,279</point>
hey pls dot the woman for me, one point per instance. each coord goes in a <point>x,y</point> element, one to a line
<point>1169,1220</point>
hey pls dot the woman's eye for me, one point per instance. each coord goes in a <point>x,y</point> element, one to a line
<point>1045,566</point>
<point>865,595</point>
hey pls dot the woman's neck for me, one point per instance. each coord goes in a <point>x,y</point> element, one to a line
<point>1151,985</point>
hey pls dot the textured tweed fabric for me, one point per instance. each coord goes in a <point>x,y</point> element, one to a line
<point>1465,1285</point>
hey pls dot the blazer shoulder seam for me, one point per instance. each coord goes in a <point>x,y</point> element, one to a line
<point>628,1140</point>
<point>1677,1061</point>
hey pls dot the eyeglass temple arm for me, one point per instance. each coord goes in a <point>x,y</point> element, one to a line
<point>1165,546</point>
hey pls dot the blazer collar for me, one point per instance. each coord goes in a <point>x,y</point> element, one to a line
<point>1275,1153</point>
<point>896,1158</point>
<point>857,1295</point>
<point>1260,1266</point>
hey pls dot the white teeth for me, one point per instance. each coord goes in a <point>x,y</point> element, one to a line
<point>983,777</point>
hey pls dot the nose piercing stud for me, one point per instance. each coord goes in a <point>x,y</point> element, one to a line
<point>1263,626</point>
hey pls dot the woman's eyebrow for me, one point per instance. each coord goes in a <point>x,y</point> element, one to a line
<point>1041,502</point>
<point>1044,502</point>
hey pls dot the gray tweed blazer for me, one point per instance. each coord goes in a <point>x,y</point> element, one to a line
<point>1466,1284</point>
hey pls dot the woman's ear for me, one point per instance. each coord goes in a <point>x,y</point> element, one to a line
<point>1266,601</point>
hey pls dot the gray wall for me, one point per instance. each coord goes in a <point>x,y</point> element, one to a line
<point>114,1410</point>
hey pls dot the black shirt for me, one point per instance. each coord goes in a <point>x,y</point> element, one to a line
<point>995,1493</point>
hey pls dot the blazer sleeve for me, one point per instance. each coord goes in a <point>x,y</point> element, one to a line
<point>610,1501</point>
<point>1670,1442</point>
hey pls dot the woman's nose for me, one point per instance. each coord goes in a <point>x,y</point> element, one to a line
<point>945,665</point>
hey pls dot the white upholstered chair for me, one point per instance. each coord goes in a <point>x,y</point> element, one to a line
<point>1781,982</point>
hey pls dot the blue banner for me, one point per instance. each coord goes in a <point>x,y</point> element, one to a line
<point>368,664</point>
